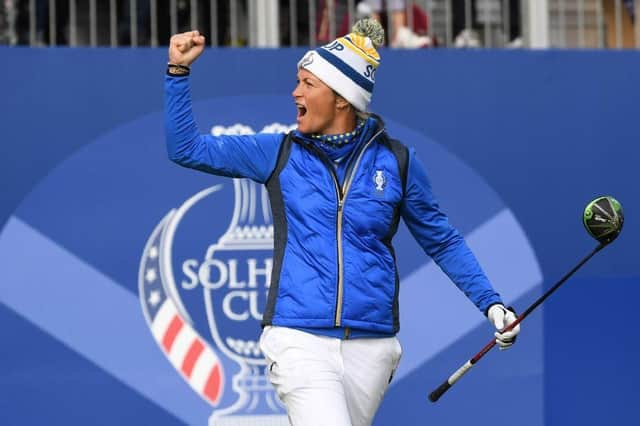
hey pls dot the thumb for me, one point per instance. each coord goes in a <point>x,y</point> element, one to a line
<point>497,316</point>
<point>198,40</point>
<point>185,46</point>
<point>189,41</point>
<point>510,317</point>
<point>498,321</point>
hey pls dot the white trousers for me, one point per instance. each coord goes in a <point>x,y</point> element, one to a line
<point>325,381</point>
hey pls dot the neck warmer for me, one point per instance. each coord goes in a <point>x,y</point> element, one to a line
<point>339,147</point>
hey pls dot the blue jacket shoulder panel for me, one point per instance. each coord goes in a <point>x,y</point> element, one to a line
<point>440,240</point>
<point>243,156</point>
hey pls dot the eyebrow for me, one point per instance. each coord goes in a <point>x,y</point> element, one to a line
<point>308,79</point>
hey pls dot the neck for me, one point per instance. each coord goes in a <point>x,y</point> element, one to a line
<point>344,122</point>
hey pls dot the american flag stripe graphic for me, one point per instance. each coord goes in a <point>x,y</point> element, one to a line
<point>183,340</point>
<point>192,356</point>
<point>173,331</point>
<point>212,388</point>
<point>188,352</point>
<point>160,323</point>
<point>202,370</point>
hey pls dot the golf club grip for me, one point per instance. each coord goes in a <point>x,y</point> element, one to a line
<point>436,394</point>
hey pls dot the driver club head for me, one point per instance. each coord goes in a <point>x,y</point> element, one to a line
<point>603,218</point>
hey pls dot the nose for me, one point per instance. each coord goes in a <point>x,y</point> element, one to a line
<point>296,91</point>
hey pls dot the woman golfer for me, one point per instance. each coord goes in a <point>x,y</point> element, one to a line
<point>338,186</point>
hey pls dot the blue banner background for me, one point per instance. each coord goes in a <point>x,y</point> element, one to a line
<point>545,131</point>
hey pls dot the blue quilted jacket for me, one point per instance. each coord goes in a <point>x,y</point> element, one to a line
<point>334,268</point>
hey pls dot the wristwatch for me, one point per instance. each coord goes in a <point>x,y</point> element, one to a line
<point>178,70</point>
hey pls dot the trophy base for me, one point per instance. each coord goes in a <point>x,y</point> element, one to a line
<point>257,420</point>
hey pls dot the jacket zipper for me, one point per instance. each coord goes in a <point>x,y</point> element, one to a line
<point>337,320</point>
<point>341,194</point>
<point>341,201</point>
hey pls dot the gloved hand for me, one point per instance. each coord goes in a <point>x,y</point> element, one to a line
<point>501,317</point>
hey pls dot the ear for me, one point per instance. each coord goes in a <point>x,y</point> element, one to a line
<point>341,103</point>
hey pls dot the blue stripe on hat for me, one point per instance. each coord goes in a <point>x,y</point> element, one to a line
<point>344,68</point>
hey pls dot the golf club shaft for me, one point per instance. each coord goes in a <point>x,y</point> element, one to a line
<point>440,390</point>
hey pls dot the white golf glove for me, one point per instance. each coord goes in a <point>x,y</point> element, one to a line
<point>501,317</point>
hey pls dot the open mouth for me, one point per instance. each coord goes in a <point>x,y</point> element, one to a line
<point>302,110</point>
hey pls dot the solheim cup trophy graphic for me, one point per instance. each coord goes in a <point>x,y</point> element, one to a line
<point>235,276</point>
<point>236,300</point>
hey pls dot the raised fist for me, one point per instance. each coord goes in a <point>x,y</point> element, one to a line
<point>185,48</point>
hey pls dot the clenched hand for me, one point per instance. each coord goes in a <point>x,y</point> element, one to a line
<point>185,48</point>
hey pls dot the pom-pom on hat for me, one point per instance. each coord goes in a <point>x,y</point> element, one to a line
<point>348,64</point>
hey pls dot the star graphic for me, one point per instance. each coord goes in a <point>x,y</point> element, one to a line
<point>154,298</point>
<point>151,275</point>
<point>153,252</point>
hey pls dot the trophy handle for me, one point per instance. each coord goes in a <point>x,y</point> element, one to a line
<point>166,248</point>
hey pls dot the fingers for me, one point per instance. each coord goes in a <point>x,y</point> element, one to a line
<point>197,39</point>
<point>185,41</point>
<point>509,319</point>
<point>184,46</point>
<point>502,318</point>
<point>507,338</point>
<point>509,335</point>
<point>504,340</point>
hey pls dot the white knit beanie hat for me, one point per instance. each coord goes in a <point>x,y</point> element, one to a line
<point>348,64</point>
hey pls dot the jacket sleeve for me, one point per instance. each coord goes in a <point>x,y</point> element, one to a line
<point>440,240</point>
<point>243,156</point>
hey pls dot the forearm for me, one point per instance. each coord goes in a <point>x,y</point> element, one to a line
<point>441,241</point>
<point>181,130</point>
<point>456,259</point>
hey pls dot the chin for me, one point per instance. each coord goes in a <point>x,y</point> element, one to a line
<point>302,128</point>
<point>309,127</point>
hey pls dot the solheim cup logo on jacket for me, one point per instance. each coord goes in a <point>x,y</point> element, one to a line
<point>228,284</point>
<point>379,180</point>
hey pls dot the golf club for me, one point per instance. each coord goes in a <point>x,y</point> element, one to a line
<point>603,218</point>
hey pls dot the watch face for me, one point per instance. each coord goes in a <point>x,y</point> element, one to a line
<point>174,70</point>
